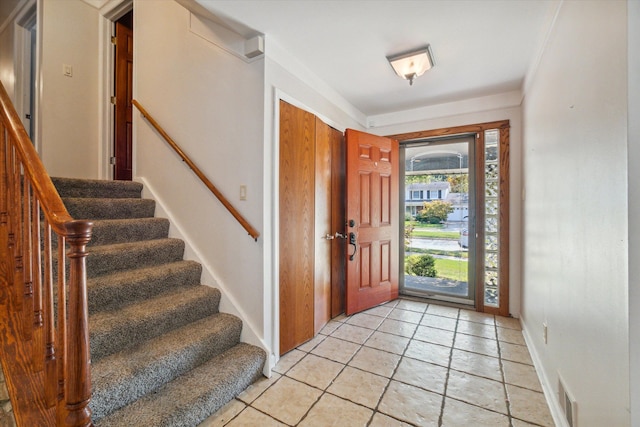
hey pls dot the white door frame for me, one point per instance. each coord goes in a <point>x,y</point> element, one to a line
<point>109,13</point>
<point>27,18</point>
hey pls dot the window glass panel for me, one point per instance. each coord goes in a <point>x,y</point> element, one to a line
<point>492,219</point>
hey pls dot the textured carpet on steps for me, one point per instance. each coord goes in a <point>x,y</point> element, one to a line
<point>162,354</point>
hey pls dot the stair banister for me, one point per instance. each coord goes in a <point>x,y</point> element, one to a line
<point>245,224</point>
<point>26,195</point>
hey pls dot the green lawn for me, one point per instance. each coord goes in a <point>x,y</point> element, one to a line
<point>457,254</point>
<point>452,269</point>
<point>436,234</point>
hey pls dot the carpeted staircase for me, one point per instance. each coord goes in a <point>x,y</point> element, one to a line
<point>162,354</point>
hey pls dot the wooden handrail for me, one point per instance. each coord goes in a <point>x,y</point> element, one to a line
<point>252,231</point>
<point>58,355</point>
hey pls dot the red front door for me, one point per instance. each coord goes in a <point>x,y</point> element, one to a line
<point>372,220</point>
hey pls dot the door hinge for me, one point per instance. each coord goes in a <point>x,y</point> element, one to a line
<point>113,100</point>
<point>112,160</point>
<point>113,39</point>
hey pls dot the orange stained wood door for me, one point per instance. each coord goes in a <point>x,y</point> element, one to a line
<point>372,220</point>
<point>123,144</point>
<point>297,231</point>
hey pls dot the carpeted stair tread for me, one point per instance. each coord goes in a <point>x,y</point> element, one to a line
<point>72,187</point>
<point>191,398</point>
<point>162,354</point>
<point>99,208</point>
<point>116,290</point>
<point>113,331</point>
<point>125,256</point>
<point>110,231</point>
<point>123,377</point>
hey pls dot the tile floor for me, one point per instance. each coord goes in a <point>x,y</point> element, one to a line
<point>405,363</point>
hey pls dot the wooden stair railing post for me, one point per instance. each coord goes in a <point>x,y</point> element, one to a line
<point>78,358</point>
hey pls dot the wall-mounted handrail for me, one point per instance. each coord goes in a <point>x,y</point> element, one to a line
<point>59,350</point>
<point>252,231</point>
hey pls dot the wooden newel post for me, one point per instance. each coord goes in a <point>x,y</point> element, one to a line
<point>78,357</point>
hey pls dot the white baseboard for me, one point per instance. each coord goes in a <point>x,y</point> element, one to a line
<point>548,388</point>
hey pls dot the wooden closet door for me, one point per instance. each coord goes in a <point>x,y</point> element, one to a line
<point>297,216</point>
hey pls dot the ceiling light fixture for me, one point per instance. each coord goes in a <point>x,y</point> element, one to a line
<point>410,65</point>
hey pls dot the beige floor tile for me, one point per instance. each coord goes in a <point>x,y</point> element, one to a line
<point>336,349</point>
<point>331,411</point>
<point>288,360</point>
<point>365,320</point>
<point>381,420</point>
<point>428,352</point>
<point>224,414</point>
<point>477,329</point>
<point>460,414</point>
<point>411,404</point>
<point>340,318</point>
<point>315,371</point>
<point>478,391</point>
<point>521,375</point>
<point>441,310</point>
<point>417,306</point>
<point>287,400</point>
<point>330,327</point>
<point>352,333</point>
<point>434,335</point>
<point>518,423</point>
<point>474,316</point>
<point>252,392</point>
<point>310,345</point>
<point>391,303</point>
<point>529,406</point>
<point>421,374</point>
<point>508,322</point>
<point>375,361</point>
<point>398,327</point>
<point>405,315</point>
<point>475,364</point>
<point>475,344</point>
<point>251,417</point>
<point>439,322</point>
<point>381,310</point>
<point>359,386</point>
<point>387,342</point>
<point>511,335</point>
<point>515,353</point>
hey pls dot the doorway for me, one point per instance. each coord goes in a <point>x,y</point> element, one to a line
<point>123,88</point>
<point>487,236</point>
<point>26,68</point>
<point>438,203</point>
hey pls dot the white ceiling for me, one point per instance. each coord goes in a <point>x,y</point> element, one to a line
<point>480,47</point>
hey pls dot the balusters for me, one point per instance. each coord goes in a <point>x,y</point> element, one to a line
<point>58,341</point>
<point>61,330</point>
<point>4,214</point>
<point>50,372</point>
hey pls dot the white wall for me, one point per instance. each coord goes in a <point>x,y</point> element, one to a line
<point>487,109</point>
<point>211,103</point>
<point>69,109</point>
<point>633,68</point>
<point>575,213</point>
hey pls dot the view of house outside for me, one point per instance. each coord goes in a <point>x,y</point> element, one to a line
<point>436,201</point>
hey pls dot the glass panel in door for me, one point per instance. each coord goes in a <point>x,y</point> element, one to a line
<point>437,206</point>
